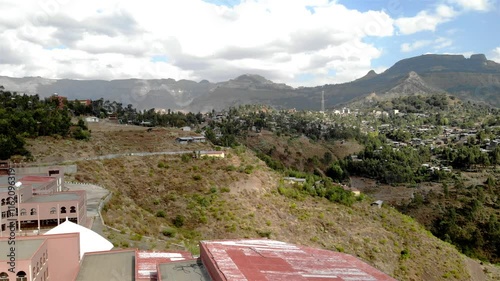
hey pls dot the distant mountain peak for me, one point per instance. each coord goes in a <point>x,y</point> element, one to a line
<point>255,78</point>
<point>370,74</point>
<point>413,84</point>
<point>253,81</point>
<point>479,57</point>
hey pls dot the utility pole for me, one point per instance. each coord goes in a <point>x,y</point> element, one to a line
<point>323,101</point>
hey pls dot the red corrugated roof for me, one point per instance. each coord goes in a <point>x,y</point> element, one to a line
<point>262,259</point>
<point>145,262</point>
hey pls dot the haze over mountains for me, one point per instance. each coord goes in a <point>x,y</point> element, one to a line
<point>475,78</point>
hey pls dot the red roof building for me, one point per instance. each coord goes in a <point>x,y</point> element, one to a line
<point>261,259</point>
<point>146,263</point>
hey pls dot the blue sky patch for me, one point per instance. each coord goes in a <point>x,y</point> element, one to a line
<point>159,58</point>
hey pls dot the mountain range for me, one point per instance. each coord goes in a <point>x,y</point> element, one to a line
<point>476,79</point>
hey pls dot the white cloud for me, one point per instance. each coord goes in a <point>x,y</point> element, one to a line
<point>425,20</point>
<point>474,5</point>
<point>444,11</point>
<point>441,43</point>
<point>435,44</point>
<point>117,39</point>
<point>496,55</point>
<point>410,47</point>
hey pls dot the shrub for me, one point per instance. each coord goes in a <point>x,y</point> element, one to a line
<point>197,177</point>
<point>405,254</point>
<point>248,169</point>
<point>169,232</point>
<point>230,168</point>
<point>136,237</point>
<point>264,233</point>
<point>161,214</point>
<point>178,221</point>
<point>80,134</point>
<point>186,157</point>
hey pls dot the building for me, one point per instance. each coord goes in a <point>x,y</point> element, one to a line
<point>51,257</point>
<point>186,140</point>
<point>90,241</point>
<point>38,202</point>
<point>55,255</point>
<point>146,262</point>
<point>216,154</point>
<point>263,259</point>
<point>227,260</point>
<point>85,102</point>
<point>199,139</point>
<point>60,100</point>
<point>91,119</point>
<point>292,180</point>
<point>4,168</point>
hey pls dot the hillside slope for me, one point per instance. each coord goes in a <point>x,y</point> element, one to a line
<point>184,201</point>
<point>177,201</point>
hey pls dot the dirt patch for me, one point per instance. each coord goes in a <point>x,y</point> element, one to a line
<point>109,138</point>
<point>394,195</point>
<point>344,148</point>
<point>300,152</point>
<point>259,182</point>
<point>475,270</point>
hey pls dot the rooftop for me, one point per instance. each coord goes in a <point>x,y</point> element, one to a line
<point>183,271</point>
<point>24,249</point>
<point>110,265</point>
<point>146,262</point>
<point>32,178</point>
<point>90,241</point>
<point>274,260</point>
<point>63,196</point>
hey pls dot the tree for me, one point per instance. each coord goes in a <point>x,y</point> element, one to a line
<point>335,172</point>
<point>327,158</point>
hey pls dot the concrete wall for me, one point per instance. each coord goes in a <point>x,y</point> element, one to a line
<point>67,169</point>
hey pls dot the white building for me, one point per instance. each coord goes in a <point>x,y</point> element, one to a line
<point>91,119</point>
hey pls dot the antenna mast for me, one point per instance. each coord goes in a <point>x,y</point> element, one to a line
<point>323,101</point>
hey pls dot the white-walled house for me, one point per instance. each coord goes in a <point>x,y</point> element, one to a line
<point>91,119</point>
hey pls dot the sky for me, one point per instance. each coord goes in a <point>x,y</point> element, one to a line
<point>297,42</point>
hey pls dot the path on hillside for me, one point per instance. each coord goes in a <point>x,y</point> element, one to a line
<point>112,156</point>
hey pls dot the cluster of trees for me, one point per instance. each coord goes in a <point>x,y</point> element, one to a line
<point>469,156</point>
<point>24,116</point>
<point>380,161</point>
<point>171,119</point>
<point>317,186</point>
<point>466,217</point>
<point>104,108</point>
<point>418,103</point>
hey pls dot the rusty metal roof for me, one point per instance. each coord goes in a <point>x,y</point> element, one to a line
<point>146,262</point>
<point>261,259</point>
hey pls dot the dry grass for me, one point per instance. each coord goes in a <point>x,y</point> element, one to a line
<point>228,201</point>
<point>109,138</point>
<point>295,151</point>
<point>178,201</point>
